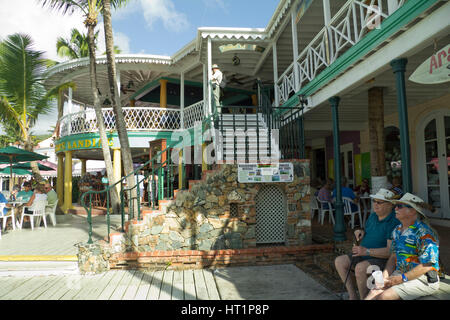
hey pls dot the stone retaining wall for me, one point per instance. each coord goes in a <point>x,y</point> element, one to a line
<point>212,224</point>
<point>202,218</point>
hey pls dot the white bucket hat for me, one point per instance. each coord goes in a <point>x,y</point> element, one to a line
<point>414,201</point>
<point>215,66</point>
<point>383,194</point>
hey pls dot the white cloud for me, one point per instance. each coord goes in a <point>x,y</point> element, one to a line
<point>164,10</point>
<point>42,24</point>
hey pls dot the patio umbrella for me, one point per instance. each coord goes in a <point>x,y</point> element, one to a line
<point>12,155</point>
<point>16,171</point>
<point>27,166</point>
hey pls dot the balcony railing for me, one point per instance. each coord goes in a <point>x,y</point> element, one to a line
<point>136,119</point>
<point>355,19</point>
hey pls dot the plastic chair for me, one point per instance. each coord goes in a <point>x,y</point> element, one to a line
<point>5,218</point>
<point>349,210</point>
<point>314,207</point>
<point>38,210</point>
<point>324,210</point>
<point>51,211</point>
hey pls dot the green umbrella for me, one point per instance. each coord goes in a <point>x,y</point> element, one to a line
<point>27,166</point>
<point>16,171</point>
<point>13,155</point>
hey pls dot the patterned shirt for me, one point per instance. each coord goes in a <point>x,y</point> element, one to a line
<point>416,245</point>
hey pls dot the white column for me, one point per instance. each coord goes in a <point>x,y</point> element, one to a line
<point>327,19</point>
<point>69,102</point>
<point>275,74</point>
<point>295,49</point>
<point>69,110</point>
<point>182,100</point>
<point>209,66</point>
<point>205,89</point>
<point>392,6</point>
<point>118,82</point>
<point>327,11</point>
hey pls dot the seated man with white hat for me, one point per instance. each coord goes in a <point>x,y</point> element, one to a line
<point>374,247</point>
<point>412,269</point>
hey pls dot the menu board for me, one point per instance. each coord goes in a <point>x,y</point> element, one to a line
<point>265,173</point>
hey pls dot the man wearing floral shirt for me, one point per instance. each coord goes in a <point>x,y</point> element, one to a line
<point>414,255</point>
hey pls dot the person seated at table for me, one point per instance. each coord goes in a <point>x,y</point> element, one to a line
<point>325,193</point>
<point>363,188</point>
<point>26,193</point>
<point>52,196</point>
<point>38,195</point>
<point>347,192</point>
<point>7,205</point>
<point>397,186</point>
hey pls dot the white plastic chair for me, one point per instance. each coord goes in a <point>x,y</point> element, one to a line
<point>51,211</point>
<point>38,210</point>
<point>349,211</point>
<point>314,207</point>
<point>323,210</point>
<point>5,218</point>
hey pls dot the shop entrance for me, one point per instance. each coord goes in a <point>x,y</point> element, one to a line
<point>434,161</point>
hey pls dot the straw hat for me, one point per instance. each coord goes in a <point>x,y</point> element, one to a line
<point>215,66</point>
<point>384,195</point>
<point>414,201</point>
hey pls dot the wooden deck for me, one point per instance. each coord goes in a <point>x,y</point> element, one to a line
<point>114,285</point>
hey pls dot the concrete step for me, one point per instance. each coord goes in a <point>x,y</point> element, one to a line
<point>40,267</point>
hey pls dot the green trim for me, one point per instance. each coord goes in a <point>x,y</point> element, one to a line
<point>404,15</point>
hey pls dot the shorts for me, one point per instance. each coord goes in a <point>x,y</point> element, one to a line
<point>381,263</point>
<point>414,289</point>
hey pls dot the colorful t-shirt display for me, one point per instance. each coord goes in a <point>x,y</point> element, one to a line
<point>416,245</point>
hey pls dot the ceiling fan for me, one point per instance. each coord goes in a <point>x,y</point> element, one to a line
<point>233,79</point>
<point>127,88</point>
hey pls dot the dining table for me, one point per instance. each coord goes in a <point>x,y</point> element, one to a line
<point>16,205</point>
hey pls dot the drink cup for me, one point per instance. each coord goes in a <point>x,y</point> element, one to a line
<point>379,279</point>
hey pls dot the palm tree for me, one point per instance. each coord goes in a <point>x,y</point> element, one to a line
<point>125,149</point>
<point>91,10</point>
<point>77,46</point>
<point>74,48</point>
<point>22,94</point>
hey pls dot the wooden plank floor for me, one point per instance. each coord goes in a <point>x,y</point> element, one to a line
<point>114,285</point>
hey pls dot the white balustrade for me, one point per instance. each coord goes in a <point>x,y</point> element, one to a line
<point>136,119</point>
<point>350,24</point>
<point>193,114</point>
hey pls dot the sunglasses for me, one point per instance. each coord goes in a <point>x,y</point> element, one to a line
<point>379,202</point>
<point>401,206</point>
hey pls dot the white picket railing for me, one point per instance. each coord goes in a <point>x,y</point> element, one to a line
<point>136,119</point>
<point>348,27</point>
<point>193,114</point>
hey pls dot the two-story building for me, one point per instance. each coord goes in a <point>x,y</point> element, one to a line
<point>333,80</point>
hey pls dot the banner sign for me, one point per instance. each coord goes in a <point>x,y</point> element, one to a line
<point>265,173</point>
<point>435,69</point>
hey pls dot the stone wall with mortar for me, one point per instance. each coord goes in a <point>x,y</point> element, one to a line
<point>201,218</point>
<point>199,229</point>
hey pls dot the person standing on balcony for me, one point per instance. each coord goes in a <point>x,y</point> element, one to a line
<point>217,79</point>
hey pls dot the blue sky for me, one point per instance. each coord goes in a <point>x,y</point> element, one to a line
<point>160,27</point>
<point>167,29</point>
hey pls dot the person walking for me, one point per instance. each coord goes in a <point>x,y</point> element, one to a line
<point>375,242</point>
<point>412,269</point>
